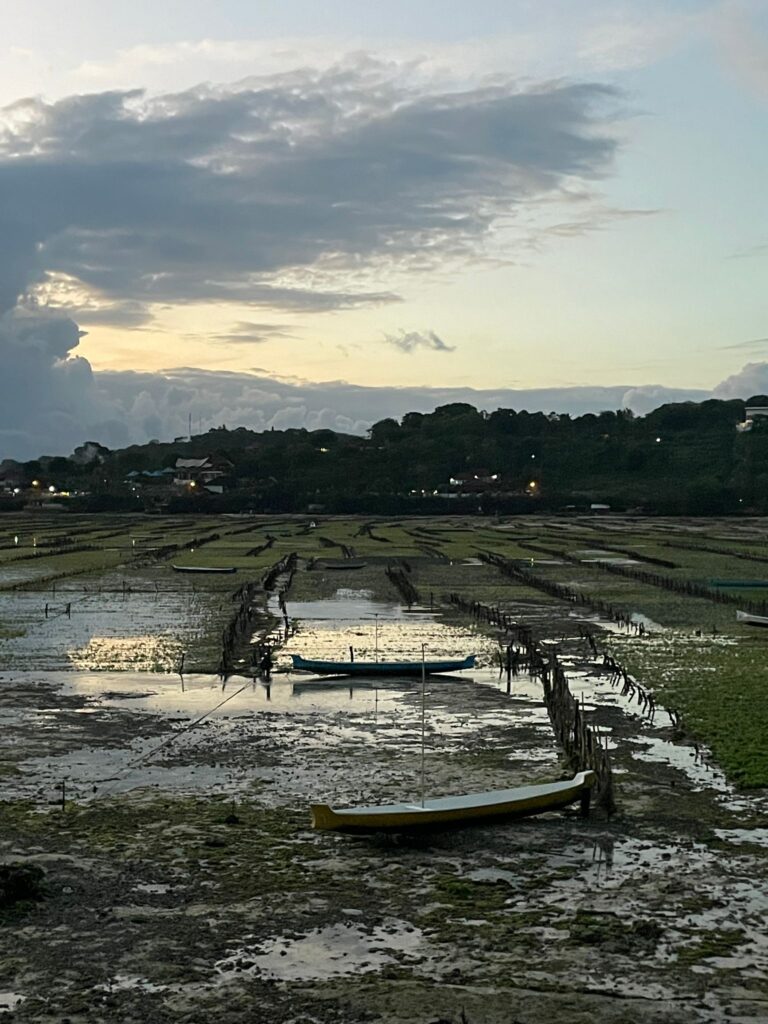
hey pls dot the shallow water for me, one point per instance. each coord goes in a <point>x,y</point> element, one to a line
<point>377,631</point>
<point>106,628</point>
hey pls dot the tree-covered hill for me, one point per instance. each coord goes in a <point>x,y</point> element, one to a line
<point>682,458</point>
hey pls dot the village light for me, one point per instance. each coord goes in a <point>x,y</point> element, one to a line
<point>192,483</point>
<point>16,539</point>
<point>52,489</point>
<point>658,440</point>
<point>532,485</point>
<point>35,483</point>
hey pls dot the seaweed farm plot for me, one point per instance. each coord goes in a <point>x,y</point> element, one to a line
<point>160,819</point>
<point>112,623</point>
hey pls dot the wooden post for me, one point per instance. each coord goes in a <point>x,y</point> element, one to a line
<point>586,799</point>
<point>423,715</point>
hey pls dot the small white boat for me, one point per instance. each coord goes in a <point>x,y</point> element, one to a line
<point>457,810</point>
<point>752,620</point>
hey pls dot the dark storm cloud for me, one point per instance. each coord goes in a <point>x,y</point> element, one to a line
<point>46,394</point>
<point>280,192</point>
<point>212,193</point>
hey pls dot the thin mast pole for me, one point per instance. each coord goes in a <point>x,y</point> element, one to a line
<point>377,639</point>
<point>423,716</point>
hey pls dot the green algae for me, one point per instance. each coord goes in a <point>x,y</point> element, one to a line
<point>714,943</point>
<point>719,690</point>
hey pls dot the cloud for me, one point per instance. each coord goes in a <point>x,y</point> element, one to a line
<point>47,395</point>
<point>752,379</point>
<point>755,343</point>
<point>57,295</point>
<point>743,42</point>
<point>282,190</point>
<point>555,39</point>
<point>747,252</point>
<point>644,399</point>
<point>409,341</point>
<point>624,39</point>
<point>246,332</point>
<point>51,400</point>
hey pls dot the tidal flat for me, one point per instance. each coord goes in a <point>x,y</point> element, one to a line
<point>166,801</point>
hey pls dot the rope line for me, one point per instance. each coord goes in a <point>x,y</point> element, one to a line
<point>166,742</point>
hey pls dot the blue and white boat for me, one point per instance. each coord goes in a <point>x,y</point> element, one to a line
<point>380,668</point>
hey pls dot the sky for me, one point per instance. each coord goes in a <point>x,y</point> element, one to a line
<point>302,214</point>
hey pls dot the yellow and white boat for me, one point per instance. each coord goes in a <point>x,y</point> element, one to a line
<point>457,810</point>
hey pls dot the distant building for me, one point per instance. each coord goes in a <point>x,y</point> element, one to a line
<point>752,413</point>
<point>473,481</point>
<point>201,472</point>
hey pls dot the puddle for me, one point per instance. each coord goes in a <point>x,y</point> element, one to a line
<point>9,1001</point>
<point>330,952</point>
<point>684,758</point>
<point>346,605</point>
<point>753,836</point>
<point>643,620</point>
<point>127,982</point>
<point>492,875</point>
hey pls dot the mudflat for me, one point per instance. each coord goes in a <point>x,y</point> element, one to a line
<point>166,800</point>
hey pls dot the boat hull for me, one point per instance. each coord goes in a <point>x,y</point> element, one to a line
<point>380,668</point>
<point>453,812</point>
<point>206,570</point>
<point>752,620</point>
<point>341,564</point>
<point>747,584</point>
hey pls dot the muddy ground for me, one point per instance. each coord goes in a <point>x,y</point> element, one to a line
<point>184,884</point>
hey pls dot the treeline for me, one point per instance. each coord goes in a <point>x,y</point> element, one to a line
<point>685,458</point>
